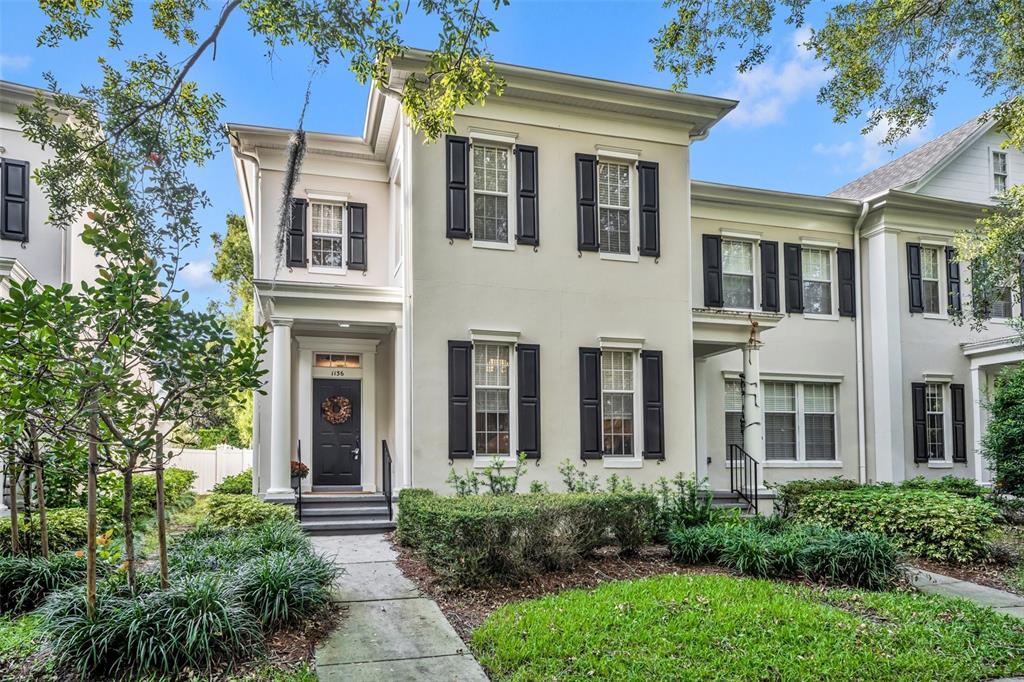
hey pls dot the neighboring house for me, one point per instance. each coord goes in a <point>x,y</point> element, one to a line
<point>549,280</point>
<point>29,248</point>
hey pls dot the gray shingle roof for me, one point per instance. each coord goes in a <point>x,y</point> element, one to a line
<point>913,165</point>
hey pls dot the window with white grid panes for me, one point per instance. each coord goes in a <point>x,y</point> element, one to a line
<point>1000,172</point>
<point>738,274</point>
<point>817,279</point>
<point>492,388</point>
<point>819,436</point>
<point>930,279</point>
<point>779,420</point>
<point>617,402</point>
<point>733,413</point>
<point>327,232</point>
<point>1001,307</point>
<point>490,193</point>
<point>613,203</point>
<point>935,420</point>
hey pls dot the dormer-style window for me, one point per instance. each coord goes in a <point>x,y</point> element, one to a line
<point>327,232</point>
<point>491,191</point>
<point>613,206</point>
<point>1000,172</point>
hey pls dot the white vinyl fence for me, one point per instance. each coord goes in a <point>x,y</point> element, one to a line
<point>212,466</point>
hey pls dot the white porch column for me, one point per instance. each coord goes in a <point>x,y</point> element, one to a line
<point>280,489</point>
<point>700,425</point>
<point>402,465</point>
<point>978,376</point>
<point>753,418</point>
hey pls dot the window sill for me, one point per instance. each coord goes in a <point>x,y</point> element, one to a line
<point>818,316</point>
<point>621,462</point>
<point>621,257</point>
<point>944,464</point>
<point>323,270</point>
<point>484,462</point>
<point>805,464</point>
<point>497,246</point>
<point>934,316</point>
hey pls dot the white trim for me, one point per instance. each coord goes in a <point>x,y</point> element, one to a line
<point>937,377</point>
<point>802,464</point>
<point>807,377</point>
<point>617,153</point>
<point>331,200</point>
<point>738,235</point>
<point>622,462</point>
<point>500,137</point>
<point>327,196</point>
<point>820,243</point>
<point>508,144</point>
<point>633,210</point>
<point>940,464</point>
<point>620,343</point>
<point>930,241</point>
<point>493,336</point>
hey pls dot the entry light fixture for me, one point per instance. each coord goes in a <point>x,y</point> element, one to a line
<point>344,325</point>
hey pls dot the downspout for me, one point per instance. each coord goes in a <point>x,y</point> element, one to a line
<point>862,456</point>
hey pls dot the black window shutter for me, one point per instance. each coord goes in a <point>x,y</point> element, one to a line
<point>590,403</point>
<point>953,278</point>
<point>770,276</point>
<point>528,370</point>
<point>712,271</point>
<point>650,227</point>
<point>460,399</point>
<point>956,393</point>
<point>14,206</point>
<point>847,282</point>
<point>457,183</point>
<point>914,278</point>
<point>296,256</point>
<point>919,422</point>
<point>586,202</point>
<point>357,236</point>
<point>527,213</point>
<point>654,404</point>
<point>794,278</point>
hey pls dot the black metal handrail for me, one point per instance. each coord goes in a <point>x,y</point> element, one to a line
<point>743,475</point>
<point>298,488</point>
<point>386,475</point>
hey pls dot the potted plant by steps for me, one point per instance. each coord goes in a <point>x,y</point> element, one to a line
<point>299,472</point>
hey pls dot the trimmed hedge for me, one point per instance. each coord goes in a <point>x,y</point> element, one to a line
<point>789,494</point>
<point>238,484</point>
<point>66,530</point>
<point>467,540</point>
<point>239,511</point>
<point>926,523</point>
<point>110,492</point>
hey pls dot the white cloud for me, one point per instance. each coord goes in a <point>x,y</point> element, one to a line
<point>196,275</point>
<point>840,150</point>
<point>767,91</point>
<point>867,152</point>
<point>14,62</point>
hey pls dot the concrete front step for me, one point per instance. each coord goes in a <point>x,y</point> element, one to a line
<point>342,499</point>
<point>346,526</point>
<point>345,511</point>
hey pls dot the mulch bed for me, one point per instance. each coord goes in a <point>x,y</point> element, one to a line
<point>467,608</point>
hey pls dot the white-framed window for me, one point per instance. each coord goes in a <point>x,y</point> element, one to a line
<point>931,279</point>
<point>817,280</point>
<point>337,360</point>
<point>1001,307</point>
<point>327,235</point>
<point>492,399</point>
<point>738,274</point>
<point>1000,171</point>
<point>799,419</point>
<point>618,402</point>
<point>935,420</point>
<point>614,197</point>
<point>492,177</point>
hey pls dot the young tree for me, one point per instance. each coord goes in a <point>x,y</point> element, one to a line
<point>1003,442</point>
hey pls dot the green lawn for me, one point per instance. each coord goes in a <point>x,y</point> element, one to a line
<point>693,627</point>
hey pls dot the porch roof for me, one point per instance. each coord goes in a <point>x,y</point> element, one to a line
<point>718,331</point>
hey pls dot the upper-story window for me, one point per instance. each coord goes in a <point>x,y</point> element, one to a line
<point>491,191</point>
<point>1001,306</point>
<point>613,204</point>
<point>817,280</point>
<point>931,274</point>
<point>327,231</point>
<point>738,274</point>
<point>1000,172</point>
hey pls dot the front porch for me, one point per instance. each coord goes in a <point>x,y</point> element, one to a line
<point>988,358</point>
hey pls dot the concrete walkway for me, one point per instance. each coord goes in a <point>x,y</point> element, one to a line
<point>389,630</point>
<point>936,583</point>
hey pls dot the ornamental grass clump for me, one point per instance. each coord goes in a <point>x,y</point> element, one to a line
<point>25,581</point>
<point>284,587</point>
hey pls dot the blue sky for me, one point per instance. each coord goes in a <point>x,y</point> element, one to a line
<point>778,138</point>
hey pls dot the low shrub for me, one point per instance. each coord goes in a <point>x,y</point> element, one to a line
<point>925,523</point>
<point>469,539</point>
<point>66,530</point>
<point>747,550</point>
<point>110,492</point>
<point>857,559</point>
<point>239,484</point>
<point>686,502</point>
<point>239,511</point>
<point>957,485</point>
<point>25,581</point>
<point>284,587</point>
<point>788,495</point>
<point>208,548</point>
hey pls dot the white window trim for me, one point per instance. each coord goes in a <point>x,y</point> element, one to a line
<point>636,460</point>
<point>605,156</point>
<point>833,289</point>
<point>397,225</point>
<point>943,313</point>
<point>509,339</point>
<point>330,199</point>
<point>992,170</point>
<point>801,435</point>
<point>756,270</point>
<point>502,141</point>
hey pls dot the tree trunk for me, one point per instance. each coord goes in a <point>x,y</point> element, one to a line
<point>161,522</point>
<point>12,474</point>
<point>90,558</point>
<point>44,540</point>
<point>126,520</point>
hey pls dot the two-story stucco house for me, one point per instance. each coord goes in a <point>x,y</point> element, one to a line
<point>549,280</point>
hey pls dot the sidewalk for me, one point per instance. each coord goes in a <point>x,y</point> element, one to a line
<point>389,630</point>
<point>936,583</point>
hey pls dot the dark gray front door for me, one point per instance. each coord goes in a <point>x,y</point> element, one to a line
<point>336,453</point>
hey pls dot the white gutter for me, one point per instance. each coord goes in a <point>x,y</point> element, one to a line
<point>256,209</point>
<point>862,456</point>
